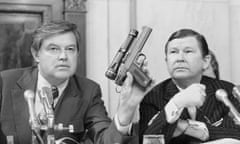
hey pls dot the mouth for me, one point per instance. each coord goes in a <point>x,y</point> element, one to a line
<point>180,68</point>
<point>62,66</point>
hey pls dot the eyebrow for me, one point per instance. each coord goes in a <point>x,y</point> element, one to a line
<point>52,44</point>
<point>71,45</point>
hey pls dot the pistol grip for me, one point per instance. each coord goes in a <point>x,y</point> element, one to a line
<point>140,77</point>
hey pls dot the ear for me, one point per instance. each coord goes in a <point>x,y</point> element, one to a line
<point>35,55</point>
<point>206,61</point>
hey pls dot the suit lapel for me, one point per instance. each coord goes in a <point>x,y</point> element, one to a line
<point>171,90</point>
<point>70,108</point>
<point>69,101</point>
<point>207,106</point>
<point>20,107</point>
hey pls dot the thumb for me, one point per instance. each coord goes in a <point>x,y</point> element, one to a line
<point>129,80</point>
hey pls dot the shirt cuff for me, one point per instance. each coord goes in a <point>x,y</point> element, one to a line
<point>172,112</point>
<point>126,130</point>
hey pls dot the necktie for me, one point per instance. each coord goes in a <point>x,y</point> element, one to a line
<point>55,94</point>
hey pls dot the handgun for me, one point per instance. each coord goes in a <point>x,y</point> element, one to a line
<point>126,59</point>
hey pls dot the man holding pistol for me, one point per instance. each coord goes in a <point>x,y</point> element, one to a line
<point>55,49</point>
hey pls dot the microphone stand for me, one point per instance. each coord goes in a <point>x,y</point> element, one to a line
<point>35,122</point>
<point>33,119</point>
<point>47,101</point>
<point>222,96</point>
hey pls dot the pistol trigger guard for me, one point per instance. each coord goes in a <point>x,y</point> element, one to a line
<point>143,56</point>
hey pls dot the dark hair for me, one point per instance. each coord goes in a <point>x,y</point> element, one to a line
<point>53,28</point>
<point>182,33</point>
<point>214,64</point>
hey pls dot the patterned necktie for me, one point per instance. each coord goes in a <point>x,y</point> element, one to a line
<point>55,94</point>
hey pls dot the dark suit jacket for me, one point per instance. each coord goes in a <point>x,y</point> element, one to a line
<point>80,105</point>
<point>211,111</point>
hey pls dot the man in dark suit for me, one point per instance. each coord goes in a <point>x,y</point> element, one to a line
<point>55,49</point>
<point>184,108</point>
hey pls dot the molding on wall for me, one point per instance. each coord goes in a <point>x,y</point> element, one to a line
<point>75,5</point>
<point>44,10</point>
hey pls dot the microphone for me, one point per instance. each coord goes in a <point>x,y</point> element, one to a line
<point>33,120</point>
<point>236,92</point>
<point>47,99</point>
<point>222,96</point>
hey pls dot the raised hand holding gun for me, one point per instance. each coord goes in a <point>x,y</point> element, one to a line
<point>126,60</point>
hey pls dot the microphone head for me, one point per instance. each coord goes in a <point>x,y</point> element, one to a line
<point>28,94</point>
<point>221,94</point>
<point>236,91</point>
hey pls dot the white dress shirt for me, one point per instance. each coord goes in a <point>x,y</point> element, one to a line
<point>42,82</point>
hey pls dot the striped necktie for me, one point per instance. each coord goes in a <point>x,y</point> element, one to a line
<point>55,93</point>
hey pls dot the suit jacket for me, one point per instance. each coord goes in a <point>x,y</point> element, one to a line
<point>211,111</point>
<point>80,105</point>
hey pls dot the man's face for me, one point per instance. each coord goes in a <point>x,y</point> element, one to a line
<point>57,57</point>
<point>184,58</point>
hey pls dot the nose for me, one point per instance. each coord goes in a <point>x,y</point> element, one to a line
<point>63,55</point>
<point>181,56</point>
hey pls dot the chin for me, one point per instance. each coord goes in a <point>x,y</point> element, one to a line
<point>180,76</point>
<point>64,75</point>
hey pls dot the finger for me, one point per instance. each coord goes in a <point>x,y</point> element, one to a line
<point>141,60</point>
<point>203,87</point>
<point>129,80</point>
<point>145,62</point>
<point>145,70</point>
<point>203,93</point>
<point>202,90</point>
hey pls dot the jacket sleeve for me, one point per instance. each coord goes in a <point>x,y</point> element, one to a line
<point>226,130</point>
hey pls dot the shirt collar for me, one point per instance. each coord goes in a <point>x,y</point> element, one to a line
<point>42,82</point>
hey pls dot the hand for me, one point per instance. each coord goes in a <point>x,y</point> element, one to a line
<point>131,94</point>
<point>130,97</point>
<point>194,95</point>
<point>181,127</point>
<point>197,129</point>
